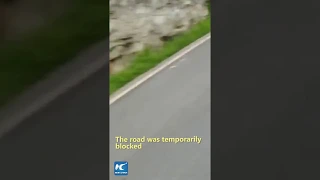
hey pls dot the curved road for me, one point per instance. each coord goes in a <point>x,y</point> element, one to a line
<point>68,139</point>
<point>174,103</point>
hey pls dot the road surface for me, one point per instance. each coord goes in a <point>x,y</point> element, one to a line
<point>68,139</point>
<point>265,90</point>
<point>174,103</point>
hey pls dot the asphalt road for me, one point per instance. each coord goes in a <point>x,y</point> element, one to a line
<point>174,103</point>
<point>67,140</point>
<point>265,90</point>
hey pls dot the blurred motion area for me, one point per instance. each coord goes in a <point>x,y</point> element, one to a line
<point>18,17</point>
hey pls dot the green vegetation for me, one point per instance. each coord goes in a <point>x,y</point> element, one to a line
<point>150,58</point>
<point>25,62</point>
<point>208,4</point>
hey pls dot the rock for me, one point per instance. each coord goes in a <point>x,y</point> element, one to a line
<point>119,64</point>
<point>116,52</point>
<point>136,24</point>
<point>134,48</point>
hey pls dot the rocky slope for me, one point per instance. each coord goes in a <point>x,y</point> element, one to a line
<point>135,24</point>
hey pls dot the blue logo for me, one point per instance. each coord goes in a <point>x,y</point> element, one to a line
<point>121,168</point>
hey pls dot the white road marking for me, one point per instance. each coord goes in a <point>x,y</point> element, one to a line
<point>173,66</point>
<point>144,77</point>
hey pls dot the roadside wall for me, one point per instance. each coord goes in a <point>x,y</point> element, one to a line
<point>135,24</point>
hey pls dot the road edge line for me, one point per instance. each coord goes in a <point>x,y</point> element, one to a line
<point>12,119</point>
<point>152,72</point>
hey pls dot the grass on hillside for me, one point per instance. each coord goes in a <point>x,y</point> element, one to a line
<point>24,62</point>
<point>150,58</point>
